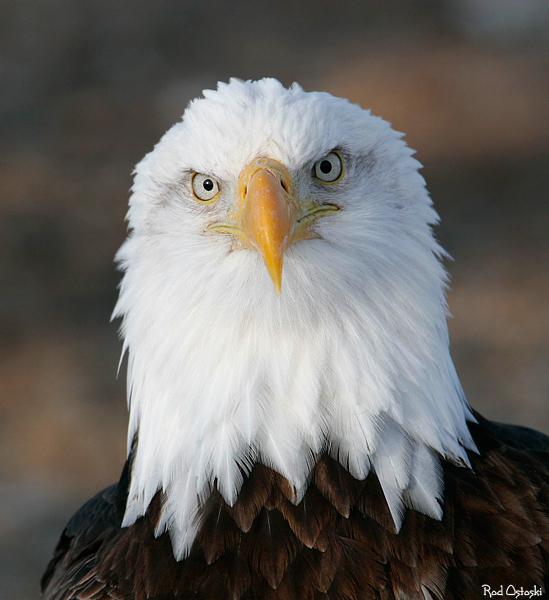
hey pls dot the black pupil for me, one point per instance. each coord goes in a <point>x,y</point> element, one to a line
<point>325,166</point>
<point>208,185</point>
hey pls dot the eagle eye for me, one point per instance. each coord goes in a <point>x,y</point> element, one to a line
<point>329,169</point>
<point>204,187</point>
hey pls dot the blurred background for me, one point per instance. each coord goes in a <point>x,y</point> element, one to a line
<point>88,87</point>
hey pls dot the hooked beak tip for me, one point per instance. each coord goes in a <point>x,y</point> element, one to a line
<point>274,267</point>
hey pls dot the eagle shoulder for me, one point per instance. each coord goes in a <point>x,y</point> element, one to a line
<point>74,568</point>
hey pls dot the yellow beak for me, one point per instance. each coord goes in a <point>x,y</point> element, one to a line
<point>267,216</point>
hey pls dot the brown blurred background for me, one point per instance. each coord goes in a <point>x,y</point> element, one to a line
<point>87,88</point>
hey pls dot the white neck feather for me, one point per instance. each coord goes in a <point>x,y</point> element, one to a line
<point>220,381</point>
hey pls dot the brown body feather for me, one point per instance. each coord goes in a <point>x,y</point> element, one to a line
<point>338,543</point>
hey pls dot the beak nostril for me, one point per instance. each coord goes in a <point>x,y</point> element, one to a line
<point>283,185</point>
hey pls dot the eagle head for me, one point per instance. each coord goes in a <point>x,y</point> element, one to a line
<point>283,297</point>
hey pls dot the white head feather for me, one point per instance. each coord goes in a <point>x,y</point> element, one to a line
<point>352,358</point>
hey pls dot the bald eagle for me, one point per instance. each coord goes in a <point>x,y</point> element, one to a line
<point>297,428</point>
